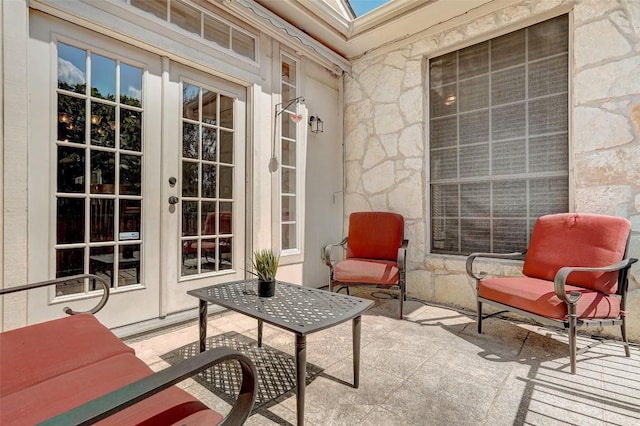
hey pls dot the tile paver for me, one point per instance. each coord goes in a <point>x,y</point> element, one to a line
<point>434,369</point>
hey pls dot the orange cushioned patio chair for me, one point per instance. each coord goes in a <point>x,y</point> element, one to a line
<point>375,253</point>
<point>575,275</point>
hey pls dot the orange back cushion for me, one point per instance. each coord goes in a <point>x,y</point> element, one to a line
<point>575,239</point>
<point>375,235</point>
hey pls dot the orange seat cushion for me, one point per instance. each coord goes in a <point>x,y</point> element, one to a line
<point>367,271</point>
<point>579,240</point>
<point>375,235</point>
<point>38,352</point>
<point>538,297</point>
<point>63,392</point>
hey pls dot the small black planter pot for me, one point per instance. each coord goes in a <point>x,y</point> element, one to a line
<point>266,288</point>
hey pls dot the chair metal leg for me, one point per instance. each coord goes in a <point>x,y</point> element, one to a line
<point>573,337</point>
<point>479,320</point>
<point>402,298</point>
<point>625,342</point>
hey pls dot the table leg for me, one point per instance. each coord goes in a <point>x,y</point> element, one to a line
<point>202,311</point>
<point>356,351</point>
<point>301,375</point>
<point>260,324</point>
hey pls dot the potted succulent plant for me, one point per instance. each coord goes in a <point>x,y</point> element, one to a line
<point>265,266</point>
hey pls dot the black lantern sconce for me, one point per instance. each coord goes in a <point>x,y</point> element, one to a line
<point>317,126</point>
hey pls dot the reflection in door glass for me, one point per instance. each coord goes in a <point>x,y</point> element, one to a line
<point>205,216</point>
<point>129,265</point>
<point>130,130</point>
<point>209,106</point>
<point>69,262</point>
<point>102,172</point>
<point>130,175</point>
<point>70,220</point>
<point>103,77</point>
<point>102,219</point>
<point>72,65</point>
<point>190,139</point>
<point>71,119</point>
<point>103,119</point>
<point>70,169</point>
<point>190,102</point>
<point>130,85</point>
<point>98,208</point>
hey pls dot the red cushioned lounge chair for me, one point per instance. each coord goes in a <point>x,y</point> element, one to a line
<point>575,275</point>
<point>375,253</point>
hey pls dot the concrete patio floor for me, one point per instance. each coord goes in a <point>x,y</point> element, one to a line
<point>430,369</point>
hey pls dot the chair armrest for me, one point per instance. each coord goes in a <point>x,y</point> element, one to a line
<point>402,256</point>
<point>472,257</point>
<point>560,279</point>
<point>64,280</point>
<point>329,248</point>
<point>104,406</point>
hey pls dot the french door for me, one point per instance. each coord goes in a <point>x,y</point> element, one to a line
<point>203,183</point>
<point>133,175</point>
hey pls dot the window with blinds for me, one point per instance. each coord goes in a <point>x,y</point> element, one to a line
<point>498,139</point>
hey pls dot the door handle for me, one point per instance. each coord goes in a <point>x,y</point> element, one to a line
<point>173,200</point>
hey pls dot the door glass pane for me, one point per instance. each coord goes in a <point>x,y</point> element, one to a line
<point>209,218</point>
<point>189,179</point>
<point>209,107</point>
<point>225,248</point>
<point>101,263</point>
<point>209,180</point>
<point>102,172</point>
<point>70,220</point>
<point>190,137</point>
<point>208,255</point>
<point>130,220</point>
<point>209,137</point>
<point>130,175</point>
<point>189,218</point>
<point>70,169</point>
<point>101,212</point>
<point>103,124</point>
<point>103,77</point>
<point>190,257</point>
<point>226,112</point>
<point>130,130</point>
<point>129,265</point>
<point>72,65</point>
<point>71,119</point>
<point>190,101</point>
<point>226,182</point>
<point>130,85</point>
<point>226,218</point>
<point>226,147</point>
<point>69,262</point>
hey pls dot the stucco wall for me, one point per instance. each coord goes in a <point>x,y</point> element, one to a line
<point>385,115</point>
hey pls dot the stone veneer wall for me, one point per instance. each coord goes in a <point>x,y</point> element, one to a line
<point>386,105</point>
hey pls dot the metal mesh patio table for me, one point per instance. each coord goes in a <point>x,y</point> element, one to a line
<point>294,308</point>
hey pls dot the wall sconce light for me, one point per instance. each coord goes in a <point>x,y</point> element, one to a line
<point>316,124</point>
<point>295,117</point>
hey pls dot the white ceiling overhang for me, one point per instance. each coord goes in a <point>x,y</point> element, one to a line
<point>386,25</point>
